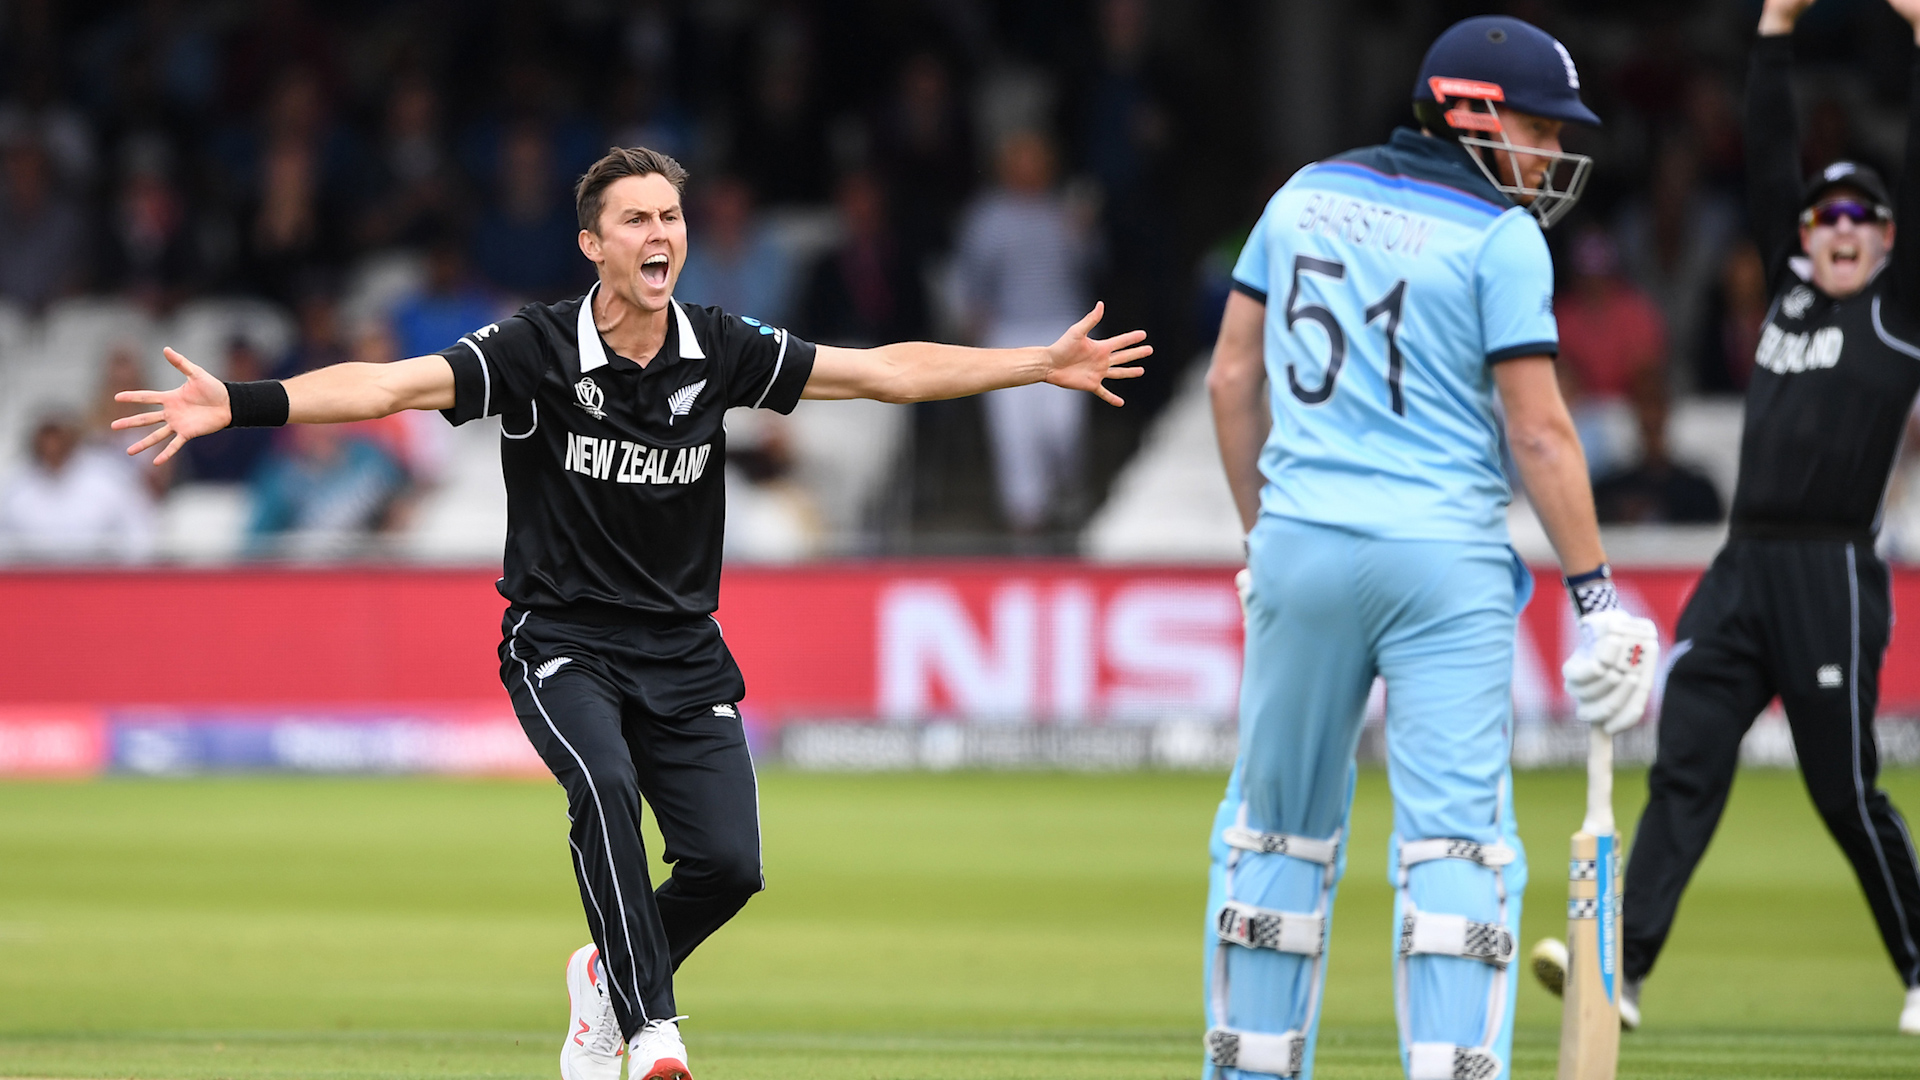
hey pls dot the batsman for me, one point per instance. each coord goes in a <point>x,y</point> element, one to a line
<point>1382,302</point>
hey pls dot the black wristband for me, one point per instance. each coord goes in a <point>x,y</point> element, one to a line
<point>257,404</point>
<point>1593,591</point>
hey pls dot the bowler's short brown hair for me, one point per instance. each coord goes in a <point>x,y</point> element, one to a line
<point>589,195</point>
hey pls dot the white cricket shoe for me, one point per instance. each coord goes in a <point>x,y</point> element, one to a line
<point>1549,961</point>
<point>593,1046</point>
<point>1910,1016</point>
<point>657,1052</point>
<point>1630,1004</point>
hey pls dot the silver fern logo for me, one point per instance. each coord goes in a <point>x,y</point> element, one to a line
<point>588,395</point>
<point>727,711</point>
<point>680,402</point>
<point>1797,302</point>
<point>551,666</point>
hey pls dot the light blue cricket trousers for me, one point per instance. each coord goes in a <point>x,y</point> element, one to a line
<point>1329,611</point>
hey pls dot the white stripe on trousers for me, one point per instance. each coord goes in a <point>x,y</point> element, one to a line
<point>1859,782</point>
<point>606,838</point>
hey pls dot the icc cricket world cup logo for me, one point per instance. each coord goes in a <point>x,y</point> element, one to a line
<point>588,395</point>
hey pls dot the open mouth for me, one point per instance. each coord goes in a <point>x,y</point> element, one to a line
<point>654,270</point>
<point>1846,256</point>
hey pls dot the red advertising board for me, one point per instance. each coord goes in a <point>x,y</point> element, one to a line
<point>990,640</point>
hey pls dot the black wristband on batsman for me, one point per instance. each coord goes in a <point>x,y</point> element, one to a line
<point>257,404</point>
<point>1592,591</point>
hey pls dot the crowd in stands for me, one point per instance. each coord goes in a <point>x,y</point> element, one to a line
<point>391,175</point>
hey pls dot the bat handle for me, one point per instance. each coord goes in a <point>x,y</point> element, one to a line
<point>1599,783</point>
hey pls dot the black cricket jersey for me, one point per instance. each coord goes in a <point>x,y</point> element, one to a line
<point>616,490</point>
<point>1833,380</point>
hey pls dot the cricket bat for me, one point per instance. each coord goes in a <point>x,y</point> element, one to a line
<point>1590,1016</point>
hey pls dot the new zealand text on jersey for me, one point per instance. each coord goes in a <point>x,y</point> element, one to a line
<point>1360,223</point>
<point>626,462</point>
<point>1786,353</point>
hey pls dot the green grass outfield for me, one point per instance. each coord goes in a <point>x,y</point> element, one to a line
<point>917,926</point>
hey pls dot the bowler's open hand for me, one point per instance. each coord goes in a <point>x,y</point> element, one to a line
<point>1079,362</point>
<point>196,407</point>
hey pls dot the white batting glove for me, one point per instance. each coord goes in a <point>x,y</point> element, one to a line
<point>1243,585</point>
<point>1610,675</point>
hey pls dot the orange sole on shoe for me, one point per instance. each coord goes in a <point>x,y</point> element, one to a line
<point>666,1069</point>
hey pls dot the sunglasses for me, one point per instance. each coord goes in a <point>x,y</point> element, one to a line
<point>1832,213</point>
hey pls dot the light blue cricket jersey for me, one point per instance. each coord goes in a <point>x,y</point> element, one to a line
<point>1394,278</point>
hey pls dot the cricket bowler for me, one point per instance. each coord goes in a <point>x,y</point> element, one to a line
<point>612,444</point>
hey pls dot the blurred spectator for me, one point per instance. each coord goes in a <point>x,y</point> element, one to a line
<point>1673,238</point>
<point>150,249</point>
<point>731,261</point>
<point>927,154</point>
<point>1713,125</point>
<point>1900,528</point>
<point>295,224</point>
<point>416,192</point>
<point>525,242</point>
<point>1658,490</point>
<point>322,489</point>
<point>782,145</point>
<point>450,304</point>
<point>231,456</point>
<point>1023,269</point>
<point>420,441</point>
<point>771,518</point>
<point>641,114</point>
<point>42,231</point>
<point>1610,331</point>
<point>863,293</point>
<point>163,36</point>
<point>274,37</point>
<point>1735,312</point>
<point>322,341</point>
<point>1127,135</point>
<point>124,371</point>
<point>35,115</point>
<point>72,503</point>
<point>532,94</point>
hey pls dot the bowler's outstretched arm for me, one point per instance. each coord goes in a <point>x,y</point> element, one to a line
<point>330,395</point>
<point>925,371</point>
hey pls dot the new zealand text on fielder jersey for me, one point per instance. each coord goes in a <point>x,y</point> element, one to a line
<point>1834,379</point>
<point>616,500</point>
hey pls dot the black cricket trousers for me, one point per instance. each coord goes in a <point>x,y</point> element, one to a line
<point>622,713</point>
<point>1807,620</point>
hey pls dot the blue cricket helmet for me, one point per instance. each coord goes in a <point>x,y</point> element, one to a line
<point>1534,71</point>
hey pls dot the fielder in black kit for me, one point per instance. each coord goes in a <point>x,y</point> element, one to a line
<point>613,450</point>
<point>1797,604</point>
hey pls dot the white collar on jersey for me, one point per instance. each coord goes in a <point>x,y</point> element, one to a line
<point>594,355</point>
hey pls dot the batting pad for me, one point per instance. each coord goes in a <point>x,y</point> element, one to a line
<point>1281,931</point>
<point>1271,899</point>
<point>1445,1061</point>
<point>1457,934</point>
<point>1252,1051</point>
